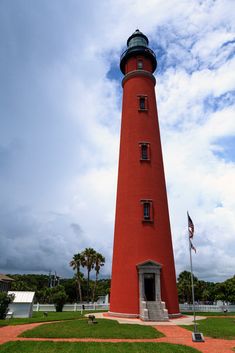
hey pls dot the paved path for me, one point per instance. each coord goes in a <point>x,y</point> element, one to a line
<point>10,333</point>
<point>179,335</point>
<point>174,334</point>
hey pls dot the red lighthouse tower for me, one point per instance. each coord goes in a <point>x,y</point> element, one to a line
<point>143,271</point>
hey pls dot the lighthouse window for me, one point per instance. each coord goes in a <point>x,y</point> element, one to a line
<point>147,210</point>
<point>139,64</point>
<point>143,106</point>
<point>144,151</point>
<point>142,103</point>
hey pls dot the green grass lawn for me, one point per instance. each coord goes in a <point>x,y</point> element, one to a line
<point>81,329</point>
<point>216,327</point>
<point>52,316</point>
<point>39,317</point>
<point>93,347</point>
<point>208,313</point>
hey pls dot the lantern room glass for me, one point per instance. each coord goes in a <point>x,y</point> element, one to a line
<point>137,42</point>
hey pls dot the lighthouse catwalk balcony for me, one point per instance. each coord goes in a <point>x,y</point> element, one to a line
<point>143,271</point>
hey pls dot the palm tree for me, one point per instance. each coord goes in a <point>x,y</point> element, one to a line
<point>185,286</point>
<point>99,261</point>
<point>76,263</point>
<point>88,261</point>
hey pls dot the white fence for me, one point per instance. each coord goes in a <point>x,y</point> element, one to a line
<point>95,306</point>
<point>207,308</point>
<point>71,307</point>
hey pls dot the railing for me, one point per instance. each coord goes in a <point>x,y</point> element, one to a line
<point>207,308</point>
<point>71,307</point>
<point>138,48</point>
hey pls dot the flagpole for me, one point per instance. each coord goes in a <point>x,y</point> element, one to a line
<point>191,266</point>
<point>196,336</point>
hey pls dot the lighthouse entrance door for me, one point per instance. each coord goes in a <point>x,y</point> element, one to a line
<point>149,286</point>
<point>151,307</point>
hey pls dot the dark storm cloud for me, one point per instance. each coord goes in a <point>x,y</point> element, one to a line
<point>76,228</point>
<point>43,49</point>
<point>37,243</point>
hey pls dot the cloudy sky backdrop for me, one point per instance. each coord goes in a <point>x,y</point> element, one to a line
<point>60,110</point>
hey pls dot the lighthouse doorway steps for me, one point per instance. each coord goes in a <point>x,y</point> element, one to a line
<point>157,311</point>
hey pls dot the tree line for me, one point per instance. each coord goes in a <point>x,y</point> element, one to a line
<point>81,288</point>
<point>205,292</point>
<point>77,289</point>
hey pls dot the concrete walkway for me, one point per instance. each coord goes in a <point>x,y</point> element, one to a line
<point>173,334</point>
<point>183,320</point>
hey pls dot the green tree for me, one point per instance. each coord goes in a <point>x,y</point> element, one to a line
<point>59,297</point>
<point>29,282</point>
<point>204,291</point>
<point>44,296</point>
<point>184,286</point>
<point>22,285</point>
<point>98,262</point>
<point>88,261</point>
<point>76,263</point>
<point>230,283</point>
<point>208,294</point>
<point>103,286</point>
<point>70,287</point>
<point>225,291</point>
<point>5,300</point>
<point>199,289</point>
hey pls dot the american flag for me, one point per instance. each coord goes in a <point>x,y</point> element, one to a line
<point>192,247</point>
<point>190,227</point>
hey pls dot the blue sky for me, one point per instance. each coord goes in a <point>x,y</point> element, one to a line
<point>60,111</point>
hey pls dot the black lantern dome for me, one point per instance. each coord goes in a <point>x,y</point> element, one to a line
<point>137,44</point>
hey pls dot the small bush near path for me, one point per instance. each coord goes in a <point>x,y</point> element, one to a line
<point>59,298</point>
<point>5,300</point>
<point>81,329</point>
<point>216,327</point>
<point>93,347</point>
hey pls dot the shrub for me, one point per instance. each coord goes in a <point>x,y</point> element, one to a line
<point>59,299</point>
<point>5,300</point>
